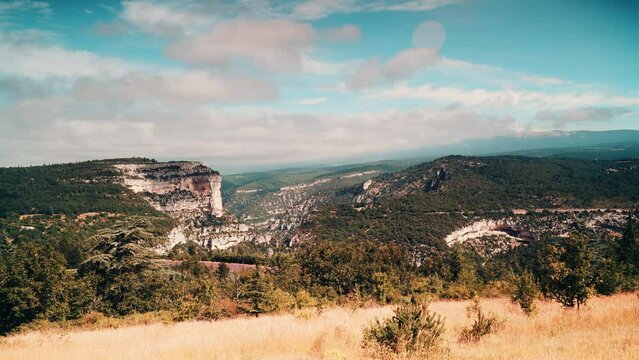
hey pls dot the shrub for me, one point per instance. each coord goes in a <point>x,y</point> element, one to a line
<point>304,299</point>
<point>427,285</point>
<point>483,324</point>
<point>383,289</point>
<point>458,291</point>
<point>413,329</point>
<point>92,318</point>
<point>281,300</point>
<point>524,293</point>
<point>496,289</point>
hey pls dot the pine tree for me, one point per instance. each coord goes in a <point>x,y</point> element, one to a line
<point>256,294</point>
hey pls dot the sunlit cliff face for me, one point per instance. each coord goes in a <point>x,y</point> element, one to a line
<point>176,187</point>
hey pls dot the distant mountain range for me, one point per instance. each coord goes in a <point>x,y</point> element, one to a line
<point>619,142</point>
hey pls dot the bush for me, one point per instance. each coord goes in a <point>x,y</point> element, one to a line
<point>281,300</point>
<point>433,285</point>
<point>524,293</point>
<point>496,289</point>
<point>304,299</point>
<point>482,325</point>
<point>413,329</point>
<point>458,291</point>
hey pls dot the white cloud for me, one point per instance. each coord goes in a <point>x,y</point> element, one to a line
<point>408,61</point>
<point>311,65</point>
<point>8,8</point>
<point>268,44</point>
<point>490,74</point>
<point>313,101</point>
<point>30,54</point>
<point>13,87</point>
<point>72,132</point>
<point>542,80</point>
<point>403,65</point>
<point>164,18</point>
<point>560,118</point>
<point>183,87</point>
<point>30,66</point>
<point>501,98</point>
<point>315,9</point>
<point>158,16</point>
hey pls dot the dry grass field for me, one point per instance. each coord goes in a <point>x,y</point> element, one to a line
<point>608,328</point>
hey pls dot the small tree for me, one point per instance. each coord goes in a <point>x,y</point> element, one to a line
<point>483,324</point>
<point>413,329</point>
<point>525,292</point>
<point>382,287</point>
<point>223,271</point>
<point>570,275</point>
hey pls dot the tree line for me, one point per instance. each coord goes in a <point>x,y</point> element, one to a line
<point>118,278</point>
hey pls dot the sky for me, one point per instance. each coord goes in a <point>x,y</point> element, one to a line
<point>255,83</point>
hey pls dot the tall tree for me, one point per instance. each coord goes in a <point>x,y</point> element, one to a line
<point>121,270</point>
<point>628,246</point>
<point>256,294</point>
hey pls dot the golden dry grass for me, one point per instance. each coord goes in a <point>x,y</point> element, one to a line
<point>607,329</point>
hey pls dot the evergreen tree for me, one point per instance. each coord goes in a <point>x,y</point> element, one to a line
<point>121,271</point>
<point>223,271</point>
<point>256,294</point>
<point>628,246</point>
<point>569,270</point>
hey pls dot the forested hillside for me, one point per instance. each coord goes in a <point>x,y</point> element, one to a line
<point>424,203</point>
<point>69,189</point>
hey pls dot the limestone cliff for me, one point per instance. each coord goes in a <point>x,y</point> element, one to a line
<point>178,188</point>
<point>190,192</point>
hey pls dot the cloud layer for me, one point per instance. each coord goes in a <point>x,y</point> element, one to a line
<point>261,81</point>
<point>267,44</point>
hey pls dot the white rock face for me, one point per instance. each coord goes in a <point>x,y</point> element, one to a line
<point>176,187</point>
<point>479,229</point>
<point>191,193</point>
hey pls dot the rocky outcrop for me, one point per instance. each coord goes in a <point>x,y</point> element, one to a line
<point>482,228</point>
<point>190,192</point>
<point>432,179</point>
<point>528,226</point>
<point>178,188</point>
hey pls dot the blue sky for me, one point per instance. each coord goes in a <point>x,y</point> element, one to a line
<point>270,83</point>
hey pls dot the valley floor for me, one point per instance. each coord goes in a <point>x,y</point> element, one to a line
<point>608,328</point>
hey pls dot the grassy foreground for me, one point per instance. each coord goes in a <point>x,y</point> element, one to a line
<point>608,328</point>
